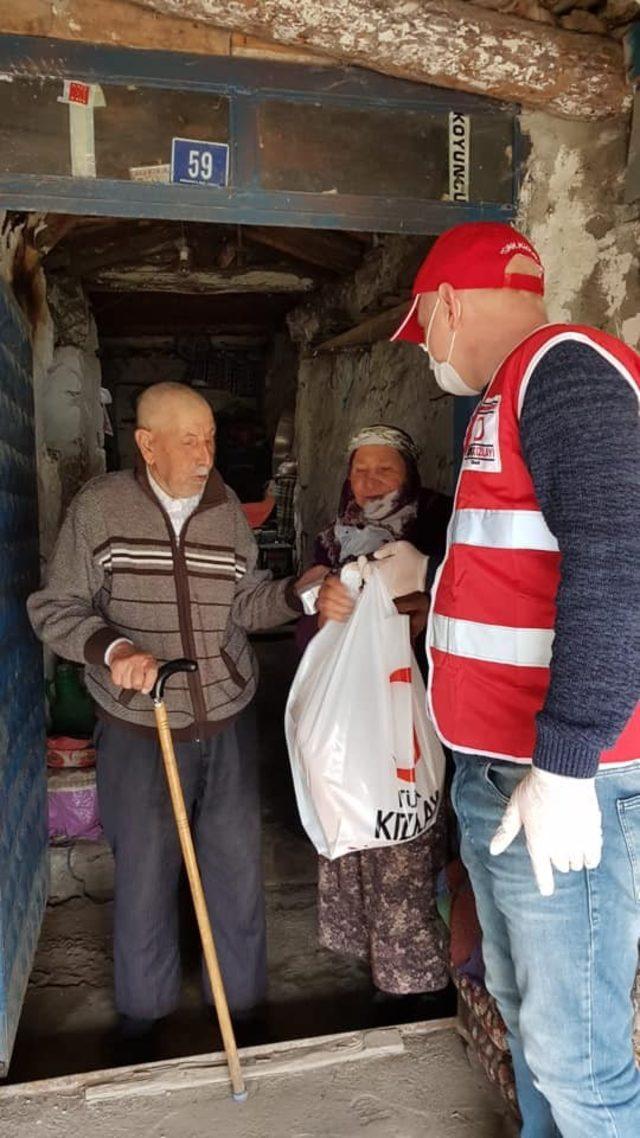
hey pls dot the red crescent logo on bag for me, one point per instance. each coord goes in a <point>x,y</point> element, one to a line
<point>407,774</point>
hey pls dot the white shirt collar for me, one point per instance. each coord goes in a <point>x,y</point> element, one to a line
<point>178,509</point>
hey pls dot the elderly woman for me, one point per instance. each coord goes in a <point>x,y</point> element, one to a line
<point>380,905</point>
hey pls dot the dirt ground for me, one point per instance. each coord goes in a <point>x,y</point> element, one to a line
<point>395,1083</point>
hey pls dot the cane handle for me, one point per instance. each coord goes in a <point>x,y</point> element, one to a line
<point>166,671</point>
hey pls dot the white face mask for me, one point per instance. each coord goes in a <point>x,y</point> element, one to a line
<point>378,508</point>
<point>447,378</point>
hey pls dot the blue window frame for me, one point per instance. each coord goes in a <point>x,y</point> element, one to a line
<point>250,86</point>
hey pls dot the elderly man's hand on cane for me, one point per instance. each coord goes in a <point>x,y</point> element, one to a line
<point>562,825</point>
<point>132,669</point>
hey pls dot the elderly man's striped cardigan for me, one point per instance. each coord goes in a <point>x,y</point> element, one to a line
<point>118,570</point>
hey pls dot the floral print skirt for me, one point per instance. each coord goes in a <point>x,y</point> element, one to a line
<point>380,906</point>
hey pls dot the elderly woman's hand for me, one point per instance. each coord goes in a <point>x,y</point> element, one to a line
<point>416,607</point>
<point>334,601</point>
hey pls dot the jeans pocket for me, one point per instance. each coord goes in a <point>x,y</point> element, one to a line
<point>500,784</point>
<point>629,815</point>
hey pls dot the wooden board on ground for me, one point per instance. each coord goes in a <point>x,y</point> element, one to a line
<point>406,1081</point>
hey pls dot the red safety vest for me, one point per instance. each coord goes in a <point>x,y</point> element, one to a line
<point>493,611</point>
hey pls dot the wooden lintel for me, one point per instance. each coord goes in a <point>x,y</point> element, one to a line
<point>368,331</point>
<point>448,43</point>
<point>149,277</point>
<point>118,23</point>
<point>248,47</point>
<point>113,22</point>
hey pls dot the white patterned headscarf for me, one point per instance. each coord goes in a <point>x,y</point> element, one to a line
<point>382,435</point>
<point>361,530</point>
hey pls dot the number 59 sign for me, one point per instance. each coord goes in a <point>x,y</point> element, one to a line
<point>199,163</point>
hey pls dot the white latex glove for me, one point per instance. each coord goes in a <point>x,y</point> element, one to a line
<point>403,568</point>
<point>561,821</point>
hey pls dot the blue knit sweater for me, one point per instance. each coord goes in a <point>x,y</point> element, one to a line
<point>580,432</point>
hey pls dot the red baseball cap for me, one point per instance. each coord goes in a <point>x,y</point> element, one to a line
<point>475,255</point>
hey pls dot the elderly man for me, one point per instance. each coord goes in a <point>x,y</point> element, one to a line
<point>534,651</point>
<point>150,566</point>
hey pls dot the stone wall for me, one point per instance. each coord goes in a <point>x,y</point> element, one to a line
<point>68,409</point>
<point>20,269</point>
<point>66,379</point>
<point>341,391</point>
<point>570,205</point>
<point>66,376</point>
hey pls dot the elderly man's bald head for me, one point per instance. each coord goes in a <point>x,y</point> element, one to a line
<point>160,402</point>
<point>176,437</point>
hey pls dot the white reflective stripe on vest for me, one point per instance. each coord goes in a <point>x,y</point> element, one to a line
<point>492,643</point>
<point>502,529</point>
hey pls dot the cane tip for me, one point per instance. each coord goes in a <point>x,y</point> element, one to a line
<point>240,1096</point>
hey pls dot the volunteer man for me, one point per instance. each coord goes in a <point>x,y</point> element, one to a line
<point>534,648</point>
<point>150,566</point>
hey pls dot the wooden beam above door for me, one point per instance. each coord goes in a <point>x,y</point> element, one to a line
<point>115,22</point>
<point>448,43</point>
<point>150,278</point>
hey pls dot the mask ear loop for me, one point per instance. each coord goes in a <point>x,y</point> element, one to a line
<point>453,340</point>
<point>425,343</point>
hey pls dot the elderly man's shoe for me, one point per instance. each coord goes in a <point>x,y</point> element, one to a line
<point>132,1042</point>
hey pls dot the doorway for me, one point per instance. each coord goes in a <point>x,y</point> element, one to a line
<point>308,204</point>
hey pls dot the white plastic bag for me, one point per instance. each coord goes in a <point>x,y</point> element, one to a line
<point>367,765</point>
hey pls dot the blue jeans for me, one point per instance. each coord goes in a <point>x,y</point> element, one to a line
<point>561,968</point>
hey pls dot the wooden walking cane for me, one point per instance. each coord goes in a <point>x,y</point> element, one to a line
<point>195,882</point>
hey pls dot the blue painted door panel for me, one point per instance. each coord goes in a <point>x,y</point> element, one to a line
<point>23,799</point>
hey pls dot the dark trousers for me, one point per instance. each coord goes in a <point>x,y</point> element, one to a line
<point>220,784</point>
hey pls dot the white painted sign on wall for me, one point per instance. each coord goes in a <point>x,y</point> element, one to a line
<point>459,146</point>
